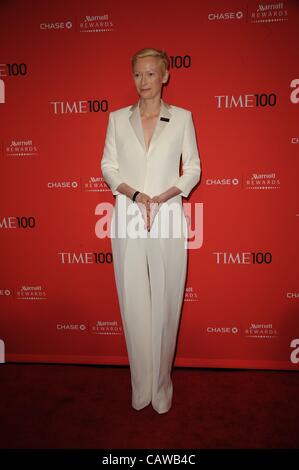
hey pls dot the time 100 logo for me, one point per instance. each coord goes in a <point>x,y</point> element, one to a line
<point>180,62</point>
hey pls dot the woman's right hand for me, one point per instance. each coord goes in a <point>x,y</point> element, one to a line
<point>143,201</point>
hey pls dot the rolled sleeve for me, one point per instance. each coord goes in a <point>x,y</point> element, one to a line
<point>109,162</point>
<point>190,158</point>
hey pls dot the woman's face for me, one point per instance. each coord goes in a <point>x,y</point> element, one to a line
<point>148,77</point>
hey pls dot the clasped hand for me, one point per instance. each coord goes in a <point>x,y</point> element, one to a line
<point>149,207</point>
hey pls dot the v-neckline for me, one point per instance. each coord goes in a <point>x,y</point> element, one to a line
<point>147,149</point>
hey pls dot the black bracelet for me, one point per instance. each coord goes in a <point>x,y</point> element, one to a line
<point>134,196</point>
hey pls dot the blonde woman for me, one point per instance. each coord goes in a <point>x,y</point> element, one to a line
<point>143,148</point>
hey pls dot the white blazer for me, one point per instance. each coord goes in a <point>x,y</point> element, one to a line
<point>126,160</point>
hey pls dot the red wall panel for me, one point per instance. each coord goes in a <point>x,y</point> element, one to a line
<point>63,67</point>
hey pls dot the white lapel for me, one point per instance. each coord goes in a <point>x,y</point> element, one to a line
<point>135,122</point>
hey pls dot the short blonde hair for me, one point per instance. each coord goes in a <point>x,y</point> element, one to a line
<point>151,52</point>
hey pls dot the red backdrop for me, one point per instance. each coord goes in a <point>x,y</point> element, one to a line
<point>63,67</point>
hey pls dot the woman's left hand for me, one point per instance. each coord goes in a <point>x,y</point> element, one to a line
<point>158,199</point>
<point>155,204</point>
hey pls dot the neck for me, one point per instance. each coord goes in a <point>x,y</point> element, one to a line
<point>150,107</point>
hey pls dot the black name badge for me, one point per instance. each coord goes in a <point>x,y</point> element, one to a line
<point>164,119</point>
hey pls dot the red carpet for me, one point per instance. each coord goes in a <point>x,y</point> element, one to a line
<point>70,406</point>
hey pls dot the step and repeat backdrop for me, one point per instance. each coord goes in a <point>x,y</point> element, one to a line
<point>63,67</point>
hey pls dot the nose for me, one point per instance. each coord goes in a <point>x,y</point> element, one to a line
<point>143,80</point>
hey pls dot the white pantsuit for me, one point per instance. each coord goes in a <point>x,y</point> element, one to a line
<point>150,267</point>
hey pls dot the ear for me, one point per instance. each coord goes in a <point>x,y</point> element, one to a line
<point>166,76</point>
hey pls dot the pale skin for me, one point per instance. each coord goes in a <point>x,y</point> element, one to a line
<point>149,78</point>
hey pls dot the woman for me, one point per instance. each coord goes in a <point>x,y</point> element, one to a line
<point>141,160</point>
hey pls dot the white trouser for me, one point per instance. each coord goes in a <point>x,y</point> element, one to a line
<point>150,276</point>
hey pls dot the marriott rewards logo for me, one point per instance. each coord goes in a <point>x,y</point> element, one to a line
<point>83,24</point>
<point>259,13</point>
